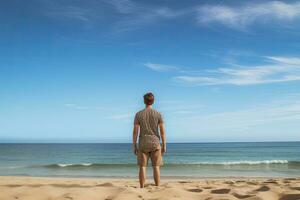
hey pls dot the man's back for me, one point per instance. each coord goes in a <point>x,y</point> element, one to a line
<point>148,119</point>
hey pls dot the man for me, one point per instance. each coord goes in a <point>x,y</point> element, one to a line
<point>146,124</point>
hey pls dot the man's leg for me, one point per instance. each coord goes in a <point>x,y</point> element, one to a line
<point>142,176</point>
<point>156,175</point>
<point>142,161</point>
<point>156,160</point>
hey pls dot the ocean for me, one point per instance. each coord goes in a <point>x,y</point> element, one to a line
<point>192,160</point>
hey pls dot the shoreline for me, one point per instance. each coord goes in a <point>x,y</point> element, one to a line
<point>249,188</point>
<point>150,177</point>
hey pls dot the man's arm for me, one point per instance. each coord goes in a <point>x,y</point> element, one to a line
<point>134,138</point>
<point>163,137</point>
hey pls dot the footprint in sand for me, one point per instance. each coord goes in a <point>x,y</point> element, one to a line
<point>195,190</point>
<point>289,197</point>
<point>253,198</point>
<point>67,196</point>
<point>263,189</point>
<point>105,185</point>
<point>184,182</point>
<point>252,183</point>
<point>242,196</point>
<point>229,182</point>
<point>220,191</point>
<point>290,179</point>
<point>271,181</point>
<point>295,188</point>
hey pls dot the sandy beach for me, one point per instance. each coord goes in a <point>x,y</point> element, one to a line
<point>34,188</point>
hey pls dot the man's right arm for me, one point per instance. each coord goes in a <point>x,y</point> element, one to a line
<point>134,138</point>
<point>136,128</point>
<point>163,137</point>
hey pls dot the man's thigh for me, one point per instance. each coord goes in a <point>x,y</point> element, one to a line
<point>142,159</point>
<point>156,158</point>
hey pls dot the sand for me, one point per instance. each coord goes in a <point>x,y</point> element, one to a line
<point>33,188</point>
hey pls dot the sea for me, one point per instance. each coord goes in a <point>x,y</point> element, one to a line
<point>182,160</point>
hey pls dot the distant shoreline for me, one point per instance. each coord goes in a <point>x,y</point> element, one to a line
<point>163,177</point>
<point>2,141</point>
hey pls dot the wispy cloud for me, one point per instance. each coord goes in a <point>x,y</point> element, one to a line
<point>283,110</point>
<point>122,6</point>
<point>126,116</point>
<point>240,17</point>
<point>80,107</point>
<point>161,67</point>
<point>285,60</point>
<point>145,15</point>
<point>112,112</point>
<point>180,108</point>
<point>281,69</point>
<point>128,15</point>
<point>69,12</point>
<point>131,15</point>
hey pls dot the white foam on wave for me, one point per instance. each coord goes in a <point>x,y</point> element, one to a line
<point>86,164</point>
<point>64,165</point>
<point>82,164</point>
<point>245,162</point>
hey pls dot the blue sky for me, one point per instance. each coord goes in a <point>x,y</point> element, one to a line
<point>220,70</point>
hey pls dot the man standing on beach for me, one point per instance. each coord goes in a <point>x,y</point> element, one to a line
<point>146,125</point>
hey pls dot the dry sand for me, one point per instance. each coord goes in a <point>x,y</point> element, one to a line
<point>31,188</point>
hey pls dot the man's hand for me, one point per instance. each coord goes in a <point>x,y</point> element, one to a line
<point>135,149</point>
<point>163,138</point>
<point>163,149</point>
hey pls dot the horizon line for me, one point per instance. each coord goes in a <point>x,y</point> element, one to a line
<point>187,142</point>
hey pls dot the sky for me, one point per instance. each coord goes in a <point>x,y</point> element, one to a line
<point>220,70</point>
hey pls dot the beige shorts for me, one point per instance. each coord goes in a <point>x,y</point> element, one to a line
<point>155,156</point>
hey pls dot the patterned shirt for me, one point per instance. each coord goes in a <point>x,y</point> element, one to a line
<point>149,138</point>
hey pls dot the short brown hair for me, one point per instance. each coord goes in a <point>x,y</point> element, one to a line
<point>149,98</point>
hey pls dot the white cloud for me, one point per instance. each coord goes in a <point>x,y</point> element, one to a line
<point>70,12</point>
<point>273,112</point>
<point>180,108</point>
<point>130,15</point>
<point>70,104</point>
<point>283,69</point>
<point>79,107</point>
<point>161,67</point>
<point>122,6</point>
<point>122,116</point>
<point>240,17</point>
<point>285,60</point>
<point>145,15</point>
<point>277,119</point>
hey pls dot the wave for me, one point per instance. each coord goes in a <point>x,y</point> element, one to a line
<point>195,164</point>
<point>246,162</point>
<point>227,164</point>
<point>89,165</point>
<point>69,165</point>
